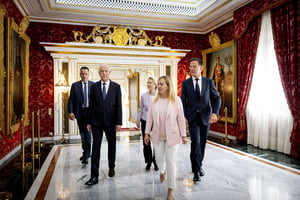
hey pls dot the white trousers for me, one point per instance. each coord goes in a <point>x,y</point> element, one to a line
<point>165,156</point>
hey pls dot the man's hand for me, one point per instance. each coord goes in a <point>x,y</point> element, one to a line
<point>89,127</point>
<point>137,124</point>
<point>213,118</point>
<point>71,116</point>
<point>118,127</point>
<point>186,124</point>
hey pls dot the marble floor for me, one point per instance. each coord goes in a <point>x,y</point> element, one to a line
<point>230,174</point>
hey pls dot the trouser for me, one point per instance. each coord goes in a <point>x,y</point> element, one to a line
<point>147,150</point>
<point>198,133</point>
<point>110,134</point>
<point>166,160</point>
<point>85,135</point>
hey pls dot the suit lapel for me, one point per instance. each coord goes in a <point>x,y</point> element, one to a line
<point>89,85</point>
<point>80,90</point>
<point>191,85</point>
<point>203,86</point>
<point>100,85</point>
<point>109,89</point>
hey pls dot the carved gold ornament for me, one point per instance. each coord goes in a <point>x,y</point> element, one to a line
<point>117,35</point>
<point>214,40</point>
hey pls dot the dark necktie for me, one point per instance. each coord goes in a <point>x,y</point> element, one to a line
<point>85,96</point>
<point>197,87</point>
<point>104,91</point>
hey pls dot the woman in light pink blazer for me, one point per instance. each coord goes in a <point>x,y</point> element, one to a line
<point>166,118</point>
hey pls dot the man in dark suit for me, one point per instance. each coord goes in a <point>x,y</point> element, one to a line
<point>201,103</point>
<point>105,115</point>
<point>78,107</point>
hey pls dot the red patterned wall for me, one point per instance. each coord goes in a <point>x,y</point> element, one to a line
<point>41,64</point>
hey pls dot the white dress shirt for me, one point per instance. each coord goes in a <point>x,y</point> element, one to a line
<point>199,83</point>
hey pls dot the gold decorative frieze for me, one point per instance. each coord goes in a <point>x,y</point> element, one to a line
<point>118,35</point>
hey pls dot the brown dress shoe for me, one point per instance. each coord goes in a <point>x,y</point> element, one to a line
<point>162,177</point>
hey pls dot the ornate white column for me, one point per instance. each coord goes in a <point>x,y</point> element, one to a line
<point>162,68</point>
<point>73,74</point>
<point>174,69</point>
<point>57,62</point>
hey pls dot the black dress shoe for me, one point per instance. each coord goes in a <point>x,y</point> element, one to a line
<point>202,173</point>
<point>148,166</point>
<point>81,158</point>
<point>111,173</point>
<point>92,181</point>
<point>196,177</point>
<point>84,161</point>
<point>155,166</point>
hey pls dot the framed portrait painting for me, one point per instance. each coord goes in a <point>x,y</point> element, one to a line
<point>220,66</point>
<point>133,97</point>
<point>17,80</point>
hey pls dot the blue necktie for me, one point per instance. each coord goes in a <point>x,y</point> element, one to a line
<point>104,91</point>
<point>197,87</point>
<point>85,97</point>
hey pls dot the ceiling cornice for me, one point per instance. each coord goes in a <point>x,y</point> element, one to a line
<point>218,13</point>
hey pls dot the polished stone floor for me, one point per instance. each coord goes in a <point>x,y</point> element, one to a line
<point>233,171</point>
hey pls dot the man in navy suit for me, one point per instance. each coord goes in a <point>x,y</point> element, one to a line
<point>201,103</point>
<point>105,115</point>
<point>78,107</point>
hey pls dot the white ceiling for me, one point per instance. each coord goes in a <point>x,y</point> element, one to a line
<point>189,16</point>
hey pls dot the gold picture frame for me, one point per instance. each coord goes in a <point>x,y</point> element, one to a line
<point>17,68</point>
<point>220,65</point>
<point>133,97</point>
<point>2,67</point>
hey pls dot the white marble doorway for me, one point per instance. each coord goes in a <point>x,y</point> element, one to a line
<point>146,61</point>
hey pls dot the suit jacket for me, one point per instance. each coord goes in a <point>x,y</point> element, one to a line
<point>210,100</point>
<point>76,98</point>
<point>105,113</point>
<point>175,122</point>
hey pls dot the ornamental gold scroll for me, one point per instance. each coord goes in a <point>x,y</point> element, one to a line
<point>118,35</point>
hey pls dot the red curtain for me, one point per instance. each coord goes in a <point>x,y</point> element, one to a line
<point>246,49</point>
<point>286,33</point>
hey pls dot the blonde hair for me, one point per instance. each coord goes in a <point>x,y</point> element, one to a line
<point>154,81</point>
<point>171,91</point>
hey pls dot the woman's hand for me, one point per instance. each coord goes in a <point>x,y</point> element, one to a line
<point>137,124</point>
<point>146,139</point>
<point>184,140</point>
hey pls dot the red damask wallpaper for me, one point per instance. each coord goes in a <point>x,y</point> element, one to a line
<point>41,64</point>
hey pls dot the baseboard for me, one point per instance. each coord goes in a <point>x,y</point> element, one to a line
<point>13,153</point>
<point>220,135</point>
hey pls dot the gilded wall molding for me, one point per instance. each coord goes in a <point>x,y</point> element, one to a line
<point>2,70</point>
<point>16,36</point>
<point>118,35</point>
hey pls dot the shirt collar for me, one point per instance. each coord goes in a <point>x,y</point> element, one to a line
<point>194,79</point>
<point>107,82</point>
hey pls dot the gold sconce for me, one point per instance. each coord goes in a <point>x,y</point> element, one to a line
<point>62,83</point>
